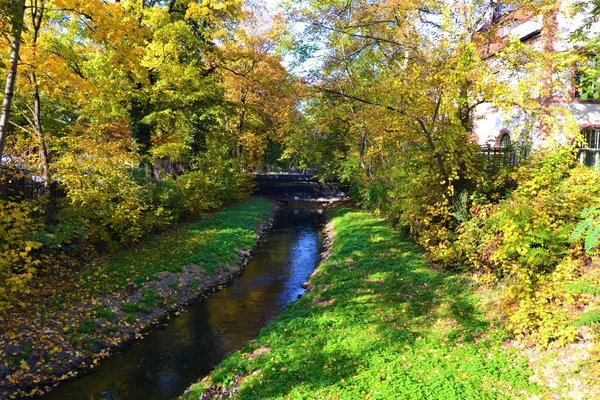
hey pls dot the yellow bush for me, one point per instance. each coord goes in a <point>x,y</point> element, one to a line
<point>525,240</point>
<point>17,246</point>
<point>101,187</point>
<point>213,186</point>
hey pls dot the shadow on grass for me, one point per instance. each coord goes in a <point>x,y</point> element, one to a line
<point>379,324</point>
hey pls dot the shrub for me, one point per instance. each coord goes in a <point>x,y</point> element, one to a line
<point>114,200</point>
<point>62,231</point>
<point>213,186</point>
<point>588,230</point>
<point>18,263</point>
<point>165,203</point>
<point>418,186</point>
<point>526,241</point>
<point>101,187</point>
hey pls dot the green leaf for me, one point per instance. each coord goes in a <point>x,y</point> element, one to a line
<point>591,239</point>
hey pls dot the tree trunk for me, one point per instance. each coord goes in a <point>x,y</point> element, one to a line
<point>548,38</point>
<point>11,76</point>
<point>37,15</point>
<point>142,134</point>
<point>239,148</point>
<point>39,132</point>
<point>363,144</point>
<point>363,140</point>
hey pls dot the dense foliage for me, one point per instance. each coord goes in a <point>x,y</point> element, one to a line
<point>121,119</point>
<point>18,261</point>
<point>129,115</point>
<point>393,109</point>
<point>526,242</point>
<point>73,313</point>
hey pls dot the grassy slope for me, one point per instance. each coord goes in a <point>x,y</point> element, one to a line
<point>378,324</point>
<point>211,242</point>
<point>72,315</point>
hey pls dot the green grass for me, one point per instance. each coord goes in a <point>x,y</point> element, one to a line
<point>211,242</point>
<point>379,324</point>
<point>88,326</point>
<point>149,300</point>
<point>102,312</point>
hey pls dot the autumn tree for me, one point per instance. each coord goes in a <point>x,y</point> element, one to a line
<point>260,91</point>
<point>401,82</point>
<point>404,79</point>
<point>13,12</point>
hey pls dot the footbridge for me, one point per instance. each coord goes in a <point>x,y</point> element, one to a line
<point>292,186</point>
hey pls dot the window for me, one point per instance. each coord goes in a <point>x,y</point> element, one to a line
<point>586,79</point>
<point>590,150</point>
<point>592,137</point>
<point>507,150</point>
<point>505,141</point>
<point>500,10</point>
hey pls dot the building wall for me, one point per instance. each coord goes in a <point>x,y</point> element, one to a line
<point>489,123</point>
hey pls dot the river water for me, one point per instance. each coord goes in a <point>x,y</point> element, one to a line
<point>168,360</point>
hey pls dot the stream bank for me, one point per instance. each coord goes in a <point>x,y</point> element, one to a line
<point>377,322</point>
<point>192,343</point>
<point>105,309</point>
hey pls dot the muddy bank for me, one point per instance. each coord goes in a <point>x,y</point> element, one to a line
<point>46,349</point>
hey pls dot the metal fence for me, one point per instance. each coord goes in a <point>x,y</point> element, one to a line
<point>499,157</point>
<point>165,167</point>
<point>19,185</point>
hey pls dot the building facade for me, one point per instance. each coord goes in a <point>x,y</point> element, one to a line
<point>554,31</point>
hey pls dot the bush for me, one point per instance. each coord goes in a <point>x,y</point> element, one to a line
<point>165,203</point>
<point>111,198</point>
<point>213,186</point>
<point>108,200</point>
<point>101,187</point>
<point>18,263</point>
<point>526,241</point>
<point>416,188</point>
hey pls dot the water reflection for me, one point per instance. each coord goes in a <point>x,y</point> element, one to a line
<point>167,361</point>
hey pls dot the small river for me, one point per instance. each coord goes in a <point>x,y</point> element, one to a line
<point>169,359</point>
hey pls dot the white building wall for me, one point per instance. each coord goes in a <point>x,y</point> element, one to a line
<point>568,23</point>
<point>586,114</point>
<point>490,123</point>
